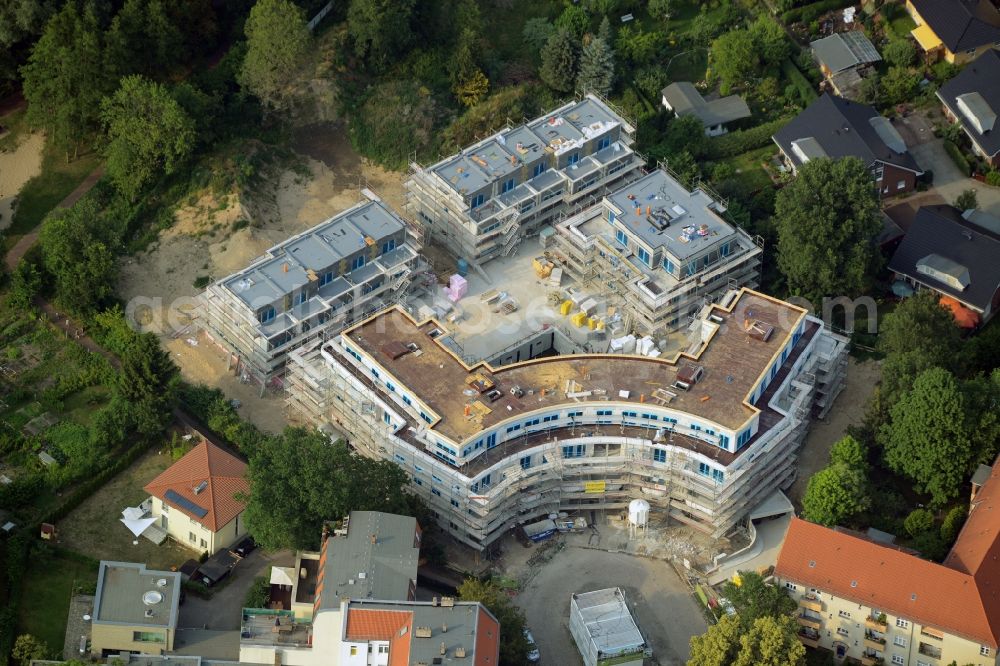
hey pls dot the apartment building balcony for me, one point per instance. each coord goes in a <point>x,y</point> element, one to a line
<point>879,623</point>
<point>874,640</point>
<point>274,627</point>
<point>809,637</point>
<point>929,650</point>
<point>809,621</point>
<point>811,602</point>
<point>872,658</point>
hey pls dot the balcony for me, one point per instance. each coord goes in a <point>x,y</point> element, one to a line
<point>809,637</point>
<point>876,623</point>
<point>811,602</point>
<point>871,658</point>
<point>929,650</point>
<point>873,641</point>
<point>811,622</point>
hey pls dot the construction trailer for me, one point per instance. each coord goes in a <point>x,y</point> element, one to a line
<point>604,630</point>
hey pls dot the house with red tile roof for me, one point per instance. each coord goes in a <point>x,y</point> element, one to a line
<point>353,603</point>
<point>195,500</point>
<point>877,603</point>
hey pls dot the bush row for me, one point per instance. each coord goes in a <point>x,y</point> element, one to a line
<point>805,89</point>
<point>812,12</point>
<point>958,158</point>
<point>741,141</point>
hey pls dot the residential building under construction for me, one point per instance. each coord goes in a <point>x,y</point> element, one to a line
<point>657,252</point>
<point>311,287</point>
<point>705,433</point>
<point>482,201</point>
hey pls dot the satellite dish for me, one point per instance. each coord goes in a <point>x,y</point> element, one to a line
<point>86,618</point>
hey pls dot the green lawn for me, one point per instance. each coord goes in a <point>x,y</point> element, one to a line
<point>44,192</point>
<point>48,586</point>
<point>749,170</point>
<point>688,66</point>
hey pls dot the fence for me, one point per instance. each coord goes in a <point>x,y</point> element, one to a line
<point>320,15</point>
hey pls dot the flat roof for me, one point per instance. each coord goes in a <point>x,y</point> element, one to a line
<point>504,153</point>
<point>360,568</point>
<point>285,267</point>
<point>127,590</point>
<point>657,198</point>
<point>608,622</point>
<point>733,361</point>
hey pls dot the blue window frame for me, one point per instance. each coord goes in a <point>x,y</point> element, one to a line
<point>571,451</point>
<point>704,469</point>
<point>525,462</point>
<point>539,169</point>
<point>514,427</point>
<point>454,503</point>
<point>643,256</point>
<point>718,475</point>
<point>573,159</point>
<point>548,419</point>
<point>389,245</point>
<point>724,250</point>
<point>477,201</point>
<point>300,298</point>
<point>425,417</point>
<point>358,262</point>
<point>670,420</point>
<point>724,441</point>
<point>574,414</point>
<point>668,266</point>
<point>485,481</point>
<point>399,458</point>
<point>387,417</point>
<point>742,439</point>
<point>629,414</point>
<point>604,412</point>
<point>611,217</point>
<point>604,143</point>
<point>532,422</point>
<point>692,267</point>
<point>659,455</point>
<point>491,440</point>
<point>390,386</point>
<point>437,479</point>
<point>266,315</point>
<point>695,427</point>
<point>650,417</point>
<point>375,374</point>
<point>407,400</point>
<point>621,237</point>
<point>435,491</point>
<point>418,481</point>
<point>507,186</point>
<point>326,278</point>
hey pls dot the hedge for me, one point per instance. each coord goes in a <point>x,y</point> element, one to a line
<point>812,12</point>
<point>958,158</point>
<point>741,141</point>
<point>806,91</point>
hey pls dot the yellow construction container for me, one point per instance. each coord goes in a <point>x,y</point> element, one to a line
<point>579,318</point>
<point>543,267</point>
<point>600,325</point>
<point>566,308</point>
<point>592,323</point>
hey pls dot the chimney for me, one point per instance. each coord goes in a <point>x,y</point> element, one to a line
<point>374,539</point>
<point>444,628</point>
<point>459,652</point>
<point>443,649</point>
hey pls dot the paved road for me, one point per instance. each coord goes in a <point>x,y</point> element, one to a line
<point>663,607</point>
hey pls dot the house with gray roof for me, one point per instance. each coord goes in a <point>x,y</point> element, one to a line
<point>972,98</point>
<point>956,31</point>
<point>949,252</point>
<point>135,609</point>
<point>684,99</point>
<point>311,286</point>
<point>834,127</point>
<point>843,57</point>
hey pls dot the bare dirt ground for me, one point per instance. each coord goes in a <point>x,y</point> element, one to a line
<point>206,243</point>
<point>17,167</point>
<point>94,528</point>
<point>847,410</point>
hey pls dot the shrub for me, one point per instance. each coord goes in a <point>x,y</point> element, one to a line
<point>812,12</point>
<point>993,178</point>
<point>258,595</point>
<point>958,158</point>
<point>952,523</point>
<point>201,281</point>
<point>918,522</point>
<point>741,141</point>
<point>805,89</point>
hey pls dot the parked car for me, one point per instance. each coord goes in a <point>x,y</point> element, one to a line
<point>533,655</point>
<point>246,546</point>
<point>216,568</point>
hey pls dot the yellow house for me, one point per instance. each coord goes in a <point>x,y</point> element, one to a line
<point>875,603</point>
<point>135,610</point>
<point>195,499</point>
<point>957,31</point>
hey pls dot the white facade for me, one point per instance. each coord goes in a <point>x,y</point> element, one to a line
<point>189,532</point>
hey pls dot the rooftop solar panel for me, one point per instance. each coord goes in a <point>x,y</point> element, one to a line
<point>186,504</point>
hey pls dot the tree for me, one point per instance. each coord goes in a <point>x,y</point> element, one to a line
<point>927,439</point>
<point>379,28</point>
<point>899,84</point>
<point>300,478</point>
<point>597,67</point>
<point>870,89</point>
<point>147,383</point>
<point>536,32</point>
<point>66,76</point>
<point>835,494</point>
<point>79,259</point>
<point>953,522</point>
<point>28,647</point>
<point>850,452</point>
<point>827,220</point>
<point>468,82</point>
<point>753,598</point>
<point>771,641</point>
<point>918,521</point>
<point>967,200</point>
<point>278,40</point>
<point>144,38</point>
<point>473,89</point>
<point>147,132</point>
<point>23,19</point>
<point>559,60</point>
<point>734,57</point>
<point>513,644</point>
<point>574,20</point>
<point>661,10</point>
<point>770,40</point>
<point>899,53</point>
<point>25,282</point>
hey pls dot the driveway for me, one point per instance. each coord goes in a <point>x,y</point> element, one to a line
<point>224,610</point>
<point>663,607</point>
<point>949,182</point>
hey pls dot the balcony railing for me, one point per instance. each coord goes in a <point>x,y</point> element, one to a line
<point>929,650</point>
<point>877,623</point>
<point>809,637</point>
<point>809,621</point>
<point>811,602</point>
<point>874,641</point>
